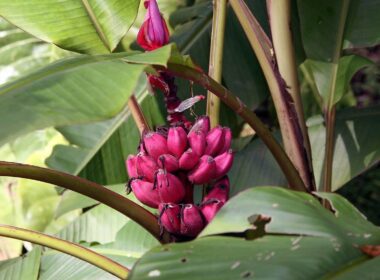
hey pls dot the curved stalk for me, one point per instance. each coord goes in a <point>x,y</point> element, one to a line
<point>67,247</point>
<point>216,57</point>
<point>291,174</point>
<point>114,200</point>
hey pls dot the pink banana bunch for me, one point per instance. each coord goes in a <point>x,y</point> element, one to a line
<point>188,220</point>
<point>171,162</point>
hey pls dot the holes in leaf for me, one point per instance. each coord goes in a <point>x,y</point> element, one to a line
<point>246,274</point>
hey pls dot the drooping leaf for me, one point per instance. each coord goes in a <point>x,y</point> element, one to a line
<point>84,143</point>
<point>87,26</point>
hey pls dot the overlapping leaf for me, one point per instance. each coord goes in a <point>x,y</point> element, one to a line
<point>312,230</point>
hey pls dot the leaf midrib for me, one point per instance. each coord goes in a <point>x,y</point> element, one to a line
<point>96,24</point>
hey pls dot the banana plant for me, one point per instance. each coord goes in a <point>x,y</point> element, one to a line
<point>165,183</point>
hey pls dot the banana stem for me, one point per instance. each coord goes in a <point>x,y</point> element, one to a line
<point>330,107</point>
<point>216,58</point>
<point>280,23</point>
<point>287,115</point>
